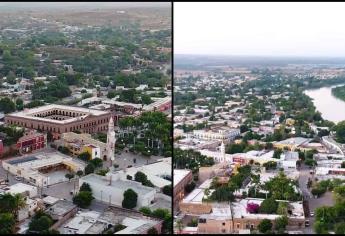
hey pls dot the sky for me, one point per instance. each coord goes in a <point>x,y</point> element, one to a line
<point>260,29</point>
<point>36,5</point>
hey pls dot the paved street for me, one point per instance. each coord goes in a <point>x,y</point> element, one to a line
<point>304,175</point>
<point>62,190</point>
<point>325,200</point>
<point>126,159</point>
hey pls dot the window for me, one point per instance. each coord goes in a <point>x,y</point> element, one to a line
<point>223,223</point>
<point>238,225</point>
<point>223,230</point>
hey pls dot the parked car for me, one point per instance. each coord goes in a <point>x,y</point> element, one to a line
<point>312,213</point>
<point>307,224</point>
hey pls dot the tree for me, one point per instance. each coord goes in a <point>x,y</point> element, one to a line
<point>167,190</point>
<point>142,178</point>
<point>282,208</point>
<point>97,162</point>
<point>340,132</point>
<point>152,230</point>
<point>111,94</point>
<point>189,187</point>
<point>19,104</point>
<point>80,173</point>
<point>270,165</point>
<point>34,103</point>
<point>19,203</point>
<point>146,99</point>
<point>85,156</point>
<point>83,199</point>
<point>320,227</point>
<point>69,176</point>
<point>130,198</point>
<point>265,225</point>
<point>11,78</point>
<point>90,168</point>
<point>85,187</point>
<point>179,225</point>
<point>281,223</point>
<point>146,211</point>
<point>277,153</point>
<point>7,223</point>
<point>269,206</point>
<point>222,194</point>
<point>244,128</point>
<point>340,228</point>
<point>40,223</point>
<point>6,105</point>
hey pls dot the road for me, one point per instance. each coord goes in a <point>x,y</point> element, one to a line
<point>126,159</point>
<point>325,200</point>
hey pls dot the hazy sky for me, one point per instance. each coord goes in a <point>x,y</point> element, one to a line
<point>267,29</point>
<point>35,5</point>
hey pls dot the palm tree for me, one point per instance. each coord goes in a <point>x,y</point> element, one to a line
<point>256,182</point>
<point>179,225</point>
<point>19,203</point>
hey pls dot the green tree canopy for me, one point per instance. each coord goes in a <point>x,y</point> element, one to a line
<point>130,198</point>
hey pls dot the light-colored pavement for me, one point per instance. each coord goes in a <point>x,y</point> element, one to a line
<point>325,200</point>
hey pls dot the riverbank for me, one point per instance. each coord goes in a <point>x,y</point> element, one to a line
<point>339,92</point>
<point>331,107</point>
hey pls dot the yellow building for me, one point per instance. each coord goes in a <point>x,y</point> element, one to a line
<point>290,122</point>
<point>93,150</point>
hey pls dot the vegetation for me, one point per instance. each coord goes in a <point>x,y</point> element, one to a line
<point>85,187</point>
<point>162,214</point>
<point>167,190</point>
<point>41,223</point>
<point>265,226</point>
<point>130,198</point>
<point>83,199</point>
<point>340,132</point>
<point>269,206</point>
<point>339,92</point>
<point>190,159</point>
<point>142,178</point>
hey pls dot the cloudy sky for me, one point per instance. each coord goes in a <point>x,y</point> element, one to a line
<point>263,29</point>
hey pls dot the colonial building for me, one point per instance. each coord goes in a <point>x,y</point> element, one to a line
<point>59,119</point>
<point>31,141</point>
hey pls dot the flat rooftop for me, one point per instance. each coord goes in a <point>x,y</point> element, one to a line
<point>219,212</point>
<point>295,141</point>
<point>179,175</point>
<point>34,112</point>
<point>61,207</point>
<point>117,184</point>
<point>239,210</point>
<point>20,188</point>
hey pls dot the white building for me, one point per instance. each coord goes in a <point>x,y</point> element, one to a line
<point>217,134</point>
<point>110,189</point>
<point>288,160</point>
<point>81,223</point>
<point>158,173</point>
<point>24,189</point>
<point>30,167</point>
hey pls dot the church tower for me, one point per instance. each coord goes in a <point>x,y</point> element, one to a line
<point>111,141</point>
<point>222,152</point>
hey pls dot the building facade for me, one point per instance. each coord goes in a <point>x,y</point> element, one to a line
<point>59,119</point>
<point>31,141</point>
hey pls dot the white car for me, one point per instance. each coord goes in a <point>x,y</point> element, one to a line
<point>18,178</point>
<point>312,213</point>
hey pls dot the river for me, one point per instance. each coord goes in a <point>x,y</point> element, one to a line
<point>331,108</point>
